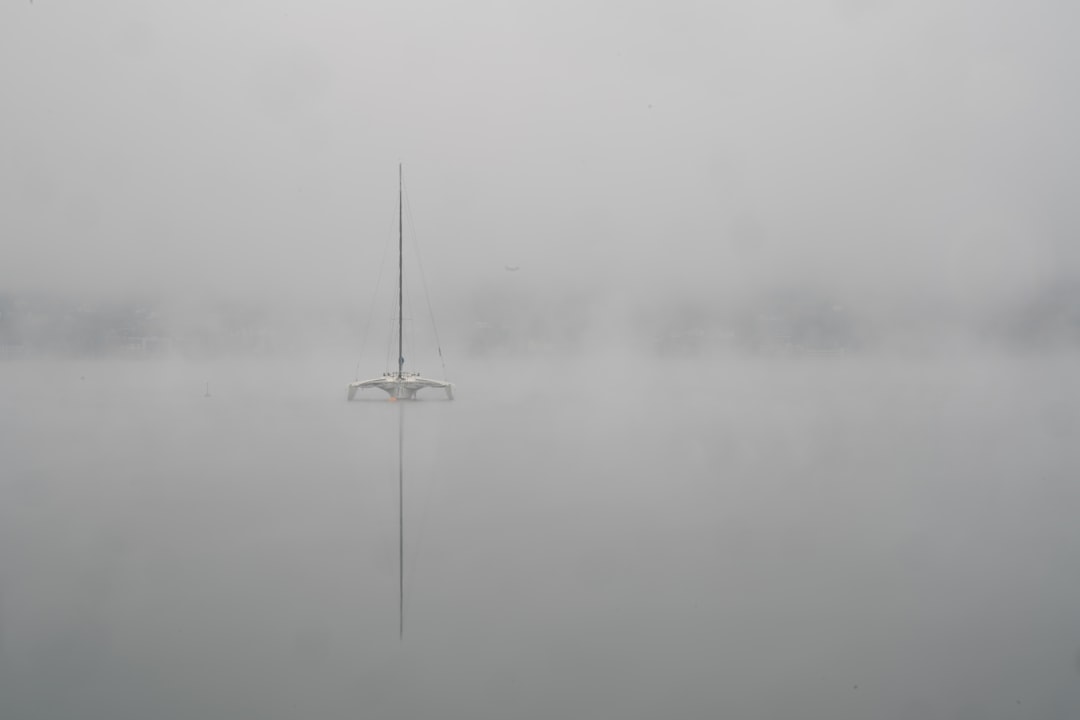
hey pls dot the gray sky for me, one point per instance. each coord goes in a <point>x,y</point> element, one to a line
<point>877,149</point>
<point>835,535</point>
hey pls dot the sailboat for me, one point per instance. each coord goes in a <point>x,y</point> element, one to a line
<point>401,385</point>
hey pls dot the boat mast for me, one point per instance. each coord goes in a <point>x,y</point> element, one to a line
<point>400,353</point>
<point>401,423</point>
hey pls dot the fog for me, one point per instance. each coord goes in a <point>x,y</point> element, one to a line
<point>821,537</point>
<point>763,321</point>
<point>886,152</point>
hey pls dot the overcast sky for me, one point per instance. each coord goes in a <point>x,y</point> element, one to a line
<point>243,147</point>
<point>835,536</point>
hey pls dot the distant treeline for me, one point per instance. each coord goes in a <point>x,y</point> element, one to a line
<point>501,320</point>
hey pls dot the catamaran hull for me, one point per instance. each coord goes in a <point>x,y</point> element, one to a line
<point>403,388</point>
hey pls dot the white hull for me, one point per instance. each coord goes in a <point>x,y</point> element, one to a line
<point>401,387</point>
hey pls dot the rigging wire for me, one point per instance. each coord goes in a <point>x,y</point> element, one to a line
<point>409,328</point>
<point>423,279</point>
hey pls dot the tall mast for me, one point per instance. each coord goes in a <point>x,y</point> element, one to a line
<point>400,349</point>
<point>401,426</point>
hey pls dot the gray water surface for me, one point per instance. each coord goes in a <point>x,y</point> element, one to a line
<point>804,537</point>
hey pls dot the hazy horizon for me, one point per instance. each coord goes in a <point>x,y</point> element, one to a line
<point>763,320</point>
<point>886,153</point>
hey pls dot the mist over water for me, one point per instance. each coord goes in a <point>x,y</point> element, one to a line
<point>815,536</point>
<point>763,320</point>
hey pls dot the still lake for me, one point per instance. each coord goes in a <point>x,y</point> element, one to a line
<point>813,537</point>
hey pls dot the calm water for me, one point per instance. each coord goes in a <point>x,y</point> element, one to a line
<point>833,537</point>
